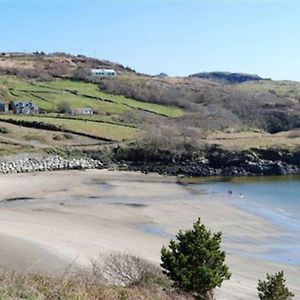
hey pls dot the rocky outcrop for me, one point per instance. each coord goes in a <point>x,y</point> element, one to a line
<point>52,163</point>
<point>218,162</point>
<point>212,162</point>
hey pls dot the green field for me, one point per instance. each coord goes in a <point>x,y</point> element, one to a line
<point>99,130</point>
<point>109,110</point>
<point>79,94</point>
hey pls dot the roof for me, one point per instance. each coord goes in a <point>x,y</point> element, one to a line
<point>103,70</point>
<point>24,103</point>
<point>82,108</point>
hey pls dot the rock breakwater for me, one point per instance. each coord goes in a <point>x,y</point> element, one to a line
<point>52,163</point>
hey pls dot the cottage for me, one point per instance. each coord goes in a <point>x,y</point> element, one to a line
<point>3,107</point>
<point>26,108</point>
<point>104,73</point>
<point>81,111</point>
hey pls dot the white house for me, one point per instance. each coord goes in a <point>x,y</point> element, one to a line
<point>103,73</point>
<point>81,111</point>
<point>25,107</point>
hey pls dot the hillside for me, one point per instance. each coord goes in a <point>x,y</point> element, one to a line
<point>199,107</point>
<point>31,77</point>
<point>227,77</point>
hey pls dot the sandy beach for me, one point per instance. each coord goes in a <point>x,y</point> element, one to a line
<point>49,221</point>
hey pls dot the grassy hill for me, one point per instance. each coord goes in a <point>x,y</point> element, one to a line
<point>285,89</point>
<point>131,103</point>
<point>79,94</point>
<point>107,121</point>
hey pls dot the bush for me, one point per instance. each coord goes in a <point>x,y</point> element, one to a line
<point>175,139</point>
<point>64,136</point>
<point>82,73</point>
<point>63,107</point>
<point>68,136</point>
<point>4,130</point>
<point>195,262</point>
<point>77,284</point>
<point>58,137</point>
<point>130,270</point>
<point>274,288</point>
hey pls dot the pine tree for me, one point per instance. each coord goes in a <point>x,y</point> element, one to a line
<point>274,288</point>
<point>195,261</point>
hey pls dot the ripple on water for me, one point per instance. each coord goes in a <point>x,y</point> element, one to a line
<point>276,199</point>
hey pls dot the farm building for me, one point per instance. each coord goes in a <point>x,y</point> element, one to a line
<point>3,107</point>
<point>81,111</point>
<point>25,107</point>
<point>104,73</point>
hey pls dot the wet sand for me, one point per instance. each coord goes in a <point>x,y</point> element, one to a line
<point>50,221</point>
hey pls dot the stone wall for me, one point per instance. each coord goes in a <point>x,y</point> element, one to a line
<point>51,163</point>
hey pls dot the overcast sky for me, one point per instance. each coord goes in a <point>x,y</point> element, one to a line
<point>176,37</point>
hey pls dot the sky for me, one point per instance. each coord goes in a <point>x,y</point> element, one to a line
<point>175,37</point>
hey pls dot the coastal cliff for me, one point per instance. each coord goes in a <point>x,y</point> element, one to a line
<point>212,162</point>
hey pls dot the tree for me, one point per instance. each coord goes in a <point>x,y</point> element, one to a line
<point>274,288</point>
<point>63,106</point>
<point>82,73</point>
<point>195,262</point>
<point>11,105</point>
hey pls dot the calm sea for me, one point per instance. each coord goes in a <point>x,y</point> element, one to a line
<point>276,199</point>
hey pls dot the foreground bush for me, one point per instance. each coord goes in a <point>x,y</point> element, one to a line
<point>274,288</point>
<point>116,277</point>
<point>129,270</point>
<point>195,262</point>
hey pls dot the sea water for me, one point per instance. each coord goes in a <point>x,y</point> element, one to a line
<point>276,199</point>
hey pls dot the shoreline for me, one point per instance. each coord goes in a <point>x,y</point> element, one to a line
<point>277,207</point>
<point>211,162</point>
<point>77,215</point>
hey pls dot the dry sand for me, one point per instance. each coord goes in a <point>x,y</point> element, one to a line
<point>77,215</point>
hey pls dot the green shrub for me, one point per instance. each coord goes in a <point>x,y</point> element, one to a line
<point>195,262</point>
<point>64,136</point>
<point>63,106</point>
<point>68,136</point>
<point>4,130</point>
<point>274,288</point>
<point>58,137</point>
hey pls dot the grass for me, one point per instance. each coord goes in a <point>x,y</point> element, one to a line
<point>279,88</point>
<point>99,130</point>
<point>144,280</point>
<point>34,137</point>
<point>107,122</point>
<point>47,95</point>
<point>14,286</point>
<point>7,149</point>
<point>92,90</point>
<point>246,140</point>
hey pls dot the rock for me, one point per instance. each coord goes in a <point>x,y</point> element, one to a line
<point>48,164</point>
<point>219,162</point>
